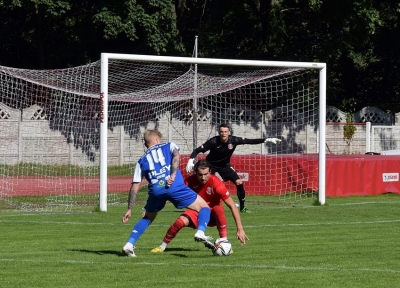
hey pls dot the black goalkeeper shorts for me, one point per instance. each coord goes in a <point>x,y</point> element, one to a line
<point>227,173</point>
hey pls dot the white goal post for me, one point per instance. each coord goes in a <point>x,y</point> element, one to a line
<point>215,84</point>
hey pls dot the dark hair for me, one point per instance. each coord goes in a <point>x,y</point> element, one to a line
<point>202,164</point>
<point>224,125</point>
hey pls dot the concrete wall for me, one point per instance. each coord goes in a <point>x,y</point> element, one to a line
<point>28,136</point>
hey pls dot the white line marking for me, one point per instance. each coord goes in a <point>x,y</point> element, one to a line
<point>77,223</point>
<point>251,266</point>
<point>246,226</point>
<point>327,223</point>
<point>363,203</point>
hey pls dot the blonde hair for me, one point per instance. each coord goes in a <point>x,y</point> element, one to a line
<point>150,135</point>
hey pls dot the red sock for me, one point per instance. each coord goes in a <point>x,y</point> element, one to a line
<point>220,219</point>
<point>173,230</point>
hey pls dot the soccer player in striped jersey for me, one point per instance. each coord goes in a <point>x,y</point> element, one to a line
<point>160,167</point>
<point>213,191</point>
<point>221,149</point>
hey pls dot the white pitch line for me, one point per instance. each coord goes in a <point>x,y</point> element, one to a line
<point>246,226</point>
<point>326,223</point>
<point>364,203</point>
<point>77,223</point>
<point>252,266</point>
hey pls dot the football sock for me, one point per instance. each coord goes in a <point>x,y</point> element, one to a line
<point>163,245</point>
<point>139,229</point>
<point>128,246</point>
<point>241,195</point>
<point>220,218</point>
<point>173,230</point>
<point>203,218</point>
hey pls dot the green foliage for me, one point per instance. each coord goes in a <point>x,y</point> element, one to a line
<point>354,38</point>
<point>349,130</point>
<point>346,244</point>
<point>349,105</point>
<point>63,33</point>
<point>151,22</point>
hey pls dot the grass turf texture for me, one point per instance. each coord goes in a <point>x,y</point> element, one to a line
<point>31,169</point>
<point>350,242</point>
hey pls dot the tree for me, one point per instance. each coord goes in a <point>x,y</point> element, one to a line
<point>351,37</point>
<point>354,37</point>
<point>226,28</point>
<point>58,34</point>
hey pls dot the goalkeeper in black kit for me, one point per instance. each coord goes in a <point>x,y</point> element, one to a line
<point>221,149</point>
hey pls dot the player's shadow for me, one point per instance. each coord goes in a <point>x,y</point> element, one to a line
<point>100,252</point>
<point>170,251</point>
<point>175,252</point>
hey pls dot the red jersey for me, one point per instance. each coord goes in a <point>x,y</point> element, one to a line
<point>213,192</point>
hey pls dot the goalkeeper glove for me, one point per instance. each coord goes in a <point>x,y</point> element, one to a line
<point>190,165</point>
<point>273,140</point>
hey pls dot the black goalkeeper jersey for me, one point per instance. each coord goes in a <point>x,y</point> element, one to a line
<point>220,153</point>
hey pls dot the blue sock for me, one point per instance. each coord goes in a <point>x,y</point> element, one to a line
<point>138,230</point>
<point>203,218</point>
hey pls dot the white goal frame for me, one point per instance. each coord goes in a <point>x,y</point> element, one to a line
<point>105,57</point>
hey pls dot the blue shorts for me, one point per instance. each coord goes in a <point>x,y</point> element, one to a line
<point>181,196</point>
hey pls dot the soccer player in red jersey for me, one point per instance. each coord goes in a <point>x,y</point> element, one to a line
<point>213,191</point>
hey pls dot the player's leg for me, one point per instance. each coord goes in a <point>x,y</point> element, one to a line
<point>184,220</point>
<point>180,222</point>
<point>184,197</point>
<point>217,212</point>
<point>241,194</point>
<point>203,210</point>
<point>230,174</point>
<point>153,204</point>
<point>137,231</point>
<point>202,219</point>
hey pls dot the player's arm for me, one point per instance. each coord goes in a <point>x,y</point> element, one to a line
<point>135,186</point>
<point>201,149</point>
<point>240,234</point>
<point>131,200</point>
<point>259,141</point>
<point>174,166</point>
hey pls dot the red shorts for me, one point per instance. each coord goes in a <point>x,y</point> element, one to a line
<point>192,216</point>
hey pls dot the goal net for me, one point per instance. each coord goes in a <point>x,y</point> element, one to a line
<point>69,138</point>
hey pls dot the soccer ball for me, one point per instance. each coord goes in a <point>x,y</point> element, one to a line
<point>222,247</point>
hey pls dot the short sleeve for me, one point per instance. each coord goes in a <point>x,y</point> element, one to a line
<point>137,175</point>
<point>173,146</point>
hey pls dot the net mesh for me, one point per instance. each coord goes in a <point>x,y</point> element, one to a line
<point>50,128</point>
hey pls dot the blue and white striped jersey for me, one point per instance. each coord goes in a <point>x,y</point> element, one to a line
<point>155,166</point>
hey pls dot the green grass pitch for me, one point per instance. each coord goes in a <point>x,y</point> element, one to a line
<point>349,242</point>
